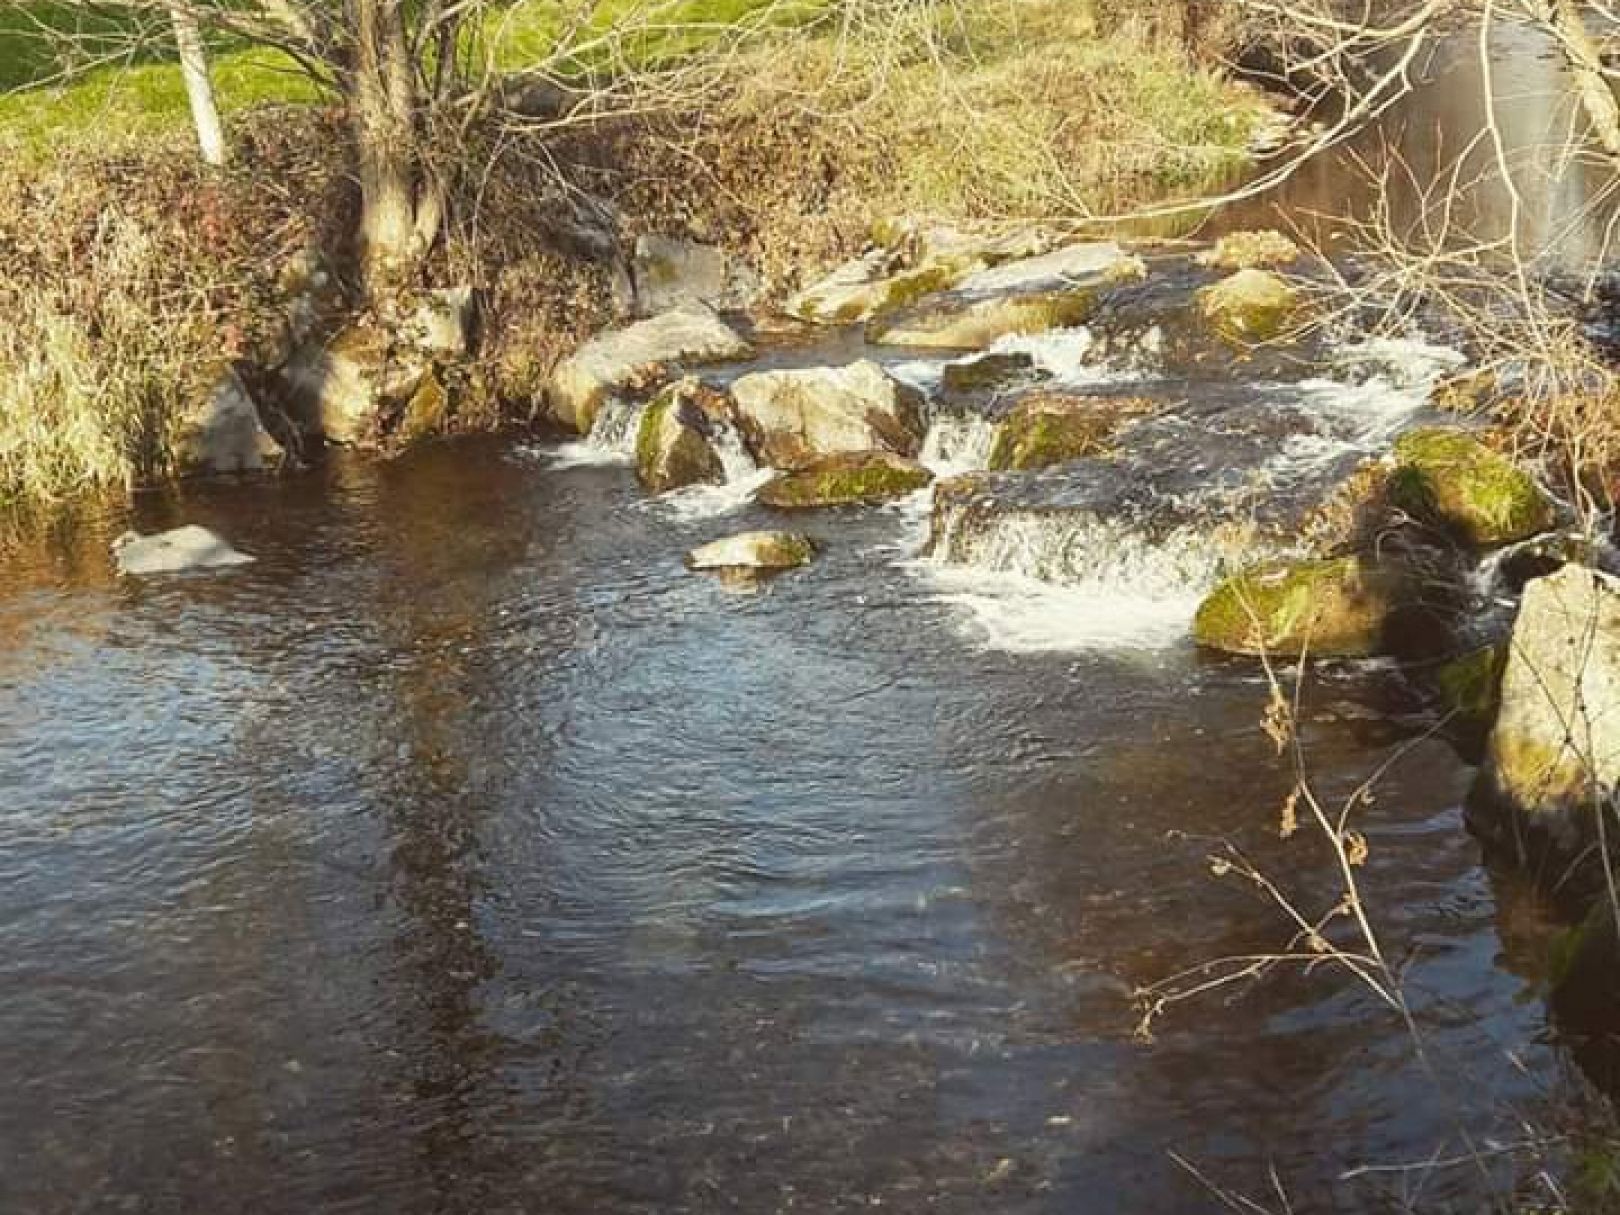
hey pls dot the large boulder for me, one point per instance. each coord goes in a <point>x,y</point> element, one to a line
<point>1343,607</point>
<point>1047,428</point>
<point>959,320</point>
<point>853,479</point>
<point>796,415</point>
<point>669,272</point>
<point>1552,762</point>
<point>673,444</point>
<point>1250,306</point>
<point>222,432</point>
<point>636,358</point>
<point>759,552</point>
<point>1451,480</point>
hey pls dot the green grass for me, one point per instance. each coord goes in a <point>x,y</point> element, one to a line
<point>119,82</point>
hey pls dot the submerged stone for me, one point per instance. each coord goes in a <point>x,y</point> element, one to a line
<point>1342,607</point>
<point>174,552</point>
<point>1047,428</point>
<point>860,478</point>
<point>1451,480</point>
<point>637,357</point>
<point>673,447</point>
<point>792,416</point>
<point>1249,307</point>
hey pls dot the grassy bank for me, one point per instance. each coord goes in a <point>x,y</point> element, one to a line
<point>130,274</point>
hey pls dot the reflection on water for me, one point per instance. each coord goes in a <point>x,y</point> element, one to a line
<point>467,854</point>
<point>1433,171</point>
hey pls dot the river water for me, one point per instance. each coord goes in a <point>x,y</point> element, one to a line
<point>467,854</point>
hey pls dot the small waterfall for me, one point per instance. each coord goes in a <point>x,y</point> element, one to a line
<point>735,458</point>
<point>615,428</point>
<point>956,444</point>
<point>1119,557</point>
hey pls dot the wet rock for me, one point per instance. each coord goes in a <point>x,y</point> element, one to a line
<point>860,478</point>
<point>673,447</point>
<point>669,272</point>
<point>757,552</point>
<point>636,358</point>
<point>1452,481</point>
<point>344,388</point>
<point>960,321</point>
<point>222,433</point>
<point>1251,306</point>
<point>1553,759</point>
<point>174,552</point>
<point>1257,250</point>
<point>1047,428</point>
<point>987,372</point>
<point>1352,516</point>
<point>1342,607</point>
<point>792,416</point>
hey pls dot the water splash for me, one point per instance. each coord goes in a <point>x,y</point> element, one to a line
<point>956,445</point>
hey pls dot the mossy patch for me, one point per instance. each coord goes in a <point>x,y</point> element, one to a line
<point>1470,686</point>
<point>761,552</point>
<point>1339,607</point>
<point>863,478</point>
<point>1451,480</point>
<point>672,449</point>
<point>1047,429</point>
<point>1250,307</point>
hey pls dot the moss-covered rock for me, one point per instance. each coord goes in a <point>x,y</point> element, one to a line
<point>966,322</point>
<point>861,478</point>
<point>1249,307</point>
<point>1451,480</point>
<point>1341,607</point>
<point>673,448</point>
<point>987,372</point>
<point>760,552</point>
<point>1047,428</point>
<point>1470,685</point>
<point>1255,250</point>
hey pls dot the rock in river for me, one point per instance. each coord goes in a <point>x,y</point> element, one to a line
<point>636,357</point>
<point>673,447</point>
<point>793,416</point>
<point>759,552</point>
<point>173,552</point>
<point>1343,607</point>
<point>862,478</point>
<point>1449,479</point>
<point>1047,428</point>
<point>1553,759</point>
<point>1250,306</point>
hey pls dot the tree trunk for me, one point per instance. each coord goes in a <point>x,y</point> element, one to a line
<point>399,214</point>
<point>199,88</point>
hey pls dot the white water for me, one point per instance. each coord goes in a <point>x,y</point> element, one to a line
<point>612,439</point>
<point>957,445</point>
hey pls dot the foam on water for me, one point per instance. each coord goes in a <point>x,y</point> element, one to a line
<point>956,445</point>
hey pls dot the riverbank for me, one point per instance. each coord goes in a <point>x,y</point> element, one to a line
<point>138,282</point>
